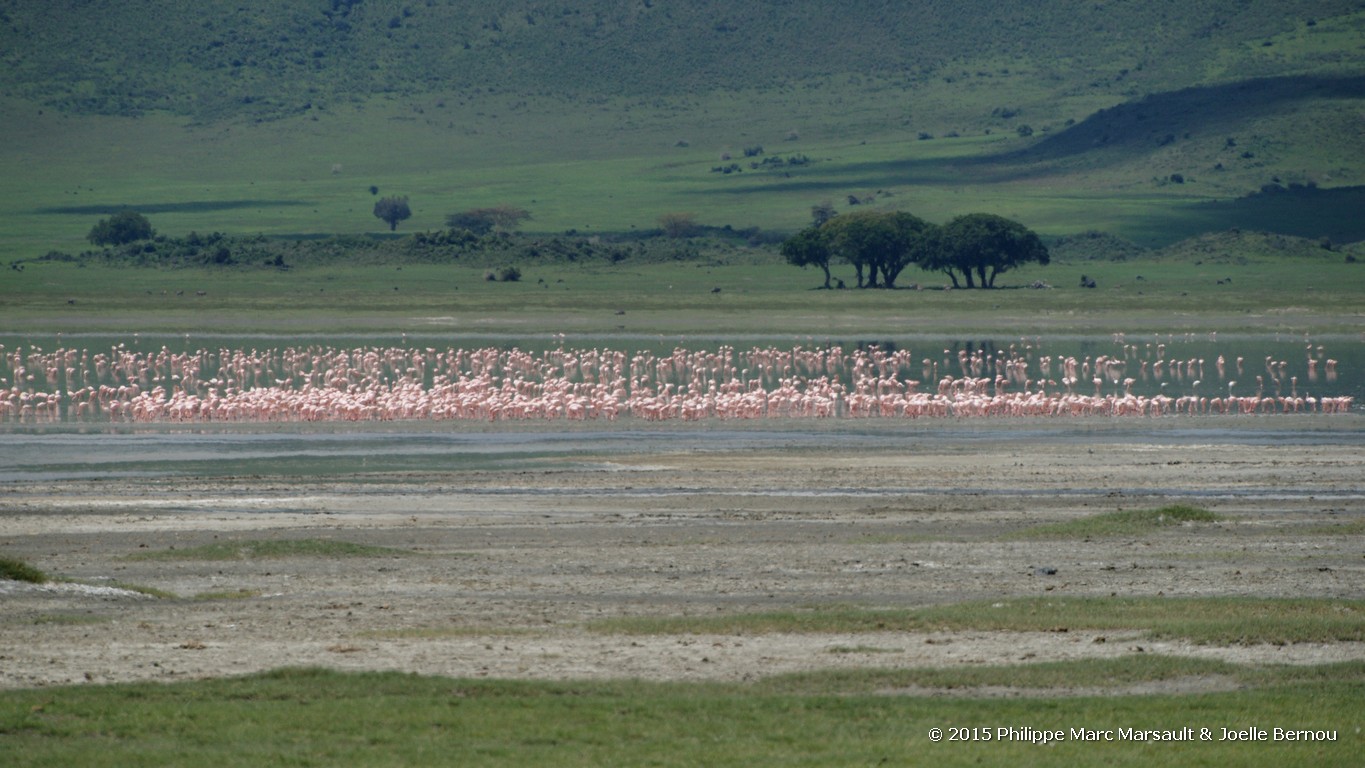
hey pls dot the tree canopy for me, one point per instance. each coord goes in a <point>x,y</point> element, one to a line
<point>393,210</point>
<point>881,244</point>
<point>884,243</point>
<point>984,245</point>
<point>122,227</point>
<point>481,221</point>
<point>808,248</point>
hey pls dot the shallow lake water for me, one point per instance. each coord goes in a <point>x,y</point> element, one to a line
<point>344,451</point>
<point>1207,365</point>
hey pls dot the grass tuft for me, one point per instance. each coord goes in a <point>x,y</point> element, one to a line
<point>1134,522</point>
<point>1101,674</point>
<point>269,549</point>
<point>1221,621</point>
<point>842,649</point>
<point>229,594</point>
<point>18,570</point>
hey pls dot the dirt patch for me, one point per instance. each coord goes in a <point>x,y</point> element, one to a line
<point>503,569</point>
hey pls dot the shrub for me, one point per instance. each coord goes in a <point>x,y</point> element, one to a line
<point>481,221</point>
<point>122,227</point>
<point>18,570</point>
<point>678,225</point>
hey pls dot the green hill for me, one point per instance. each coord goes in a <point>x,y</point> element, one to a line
<point>277,117</point>
<point>270,58</point>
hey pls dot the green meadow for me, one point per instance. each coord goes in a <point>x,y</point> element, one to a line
<point>1060,121</point>
<point>607,174</point>
<point>279,119</point>
<point>586,173</point>
<point>736,290</point>
<point>314,717</point>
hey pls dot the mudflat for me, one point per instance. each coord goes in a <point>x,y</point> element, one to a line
<point>492,553</point>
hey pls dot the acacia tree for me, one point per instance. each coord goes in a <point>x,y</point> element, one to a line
<point>808,248</point>
<point>393,210</point>
<point>913,238</point>
<point>884,243</point>
<point>983,245</point>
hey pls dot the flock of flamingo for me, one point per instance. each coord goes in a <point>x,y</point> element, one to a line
<point>302,384</point>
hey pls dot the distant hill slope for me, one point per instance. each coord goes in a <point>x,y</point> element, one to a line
<point>268,58</point>
<point>1235,138</point>
<point>1167,118</point>
<point>1152,120</point>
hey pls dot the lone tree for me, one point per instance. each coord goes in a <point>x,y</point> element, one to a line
<point>883,243</point>
<point>122,227</point>
<point>393,210</point>
<point>984,245</point>
<point>808,248</point>
<point>481,221</point>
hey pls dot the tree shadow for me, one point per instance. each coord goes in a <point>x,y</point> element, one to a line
<point>1312,212</point>
<point>1162,118</point>
<point>1121,133</point>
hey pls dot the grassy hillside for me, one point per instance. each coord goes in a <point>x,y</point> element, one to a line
<point>269,58</point>
<point>1150,120</point>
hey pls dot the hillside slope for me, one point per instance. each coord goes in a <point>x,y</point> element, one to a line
<point>1151,120</point>
<point>267,58</point>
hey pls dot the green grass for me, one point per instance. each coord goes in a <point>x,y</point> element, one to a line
<point>600,119</point>
<point>864,649</point>
<point>268,61</point>
<point>270,549</point>
<point>1343,528</point>
<point>758,294</point>
<point>1202,620</point>
<point>274,179</point>
<point>314,717</point>
<point>1081,676</point>
<point>17,570</point>
<point>229,594</point>
<point>1133,522</point>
